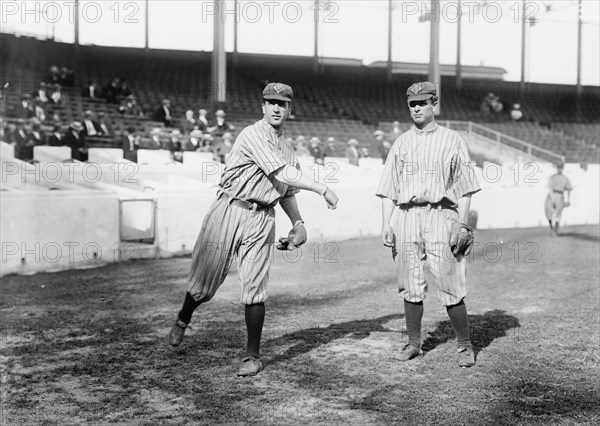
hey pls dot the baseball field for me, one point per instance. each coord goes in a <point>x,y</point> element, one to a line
<point>89,346</point>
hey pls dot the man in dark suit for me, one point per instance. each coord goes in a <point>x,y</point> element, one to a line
<point>76,141</point>
<point>56,138</point>
<point>163,113</point>
<point>90,126</point>
<point>130,142</point>
<point>91,91</point>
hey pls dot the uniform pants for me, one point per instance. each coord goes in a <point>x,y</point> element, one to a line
<point>228,231</point>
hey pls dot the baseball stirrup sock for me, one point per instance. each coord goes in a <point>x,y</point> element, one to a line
<point>460,322</point>
<point>413,313</point>
<point>255,318</point>
<point>189,306</point>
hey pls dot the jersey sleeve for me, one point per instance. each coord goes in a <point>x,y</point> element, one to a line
<point>388,184</point>
<point>257,147</point>
<point>568,186</point>
<point>464,179</point>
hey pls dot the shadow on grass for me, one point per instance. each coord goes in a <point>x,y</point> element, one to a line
<point>308,339</point>
<point>578,236</point>
<point>484,329</point>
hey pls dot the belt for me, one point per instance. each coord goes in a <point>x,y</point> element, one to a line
<point>246,205</point>
<point>428,206</point>
<point>558,192</point>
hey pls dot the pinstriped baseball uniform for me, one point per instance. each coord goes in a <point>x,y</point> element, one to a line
<point>425,174</point>
<point>555,202</point>
<point>230,230</point>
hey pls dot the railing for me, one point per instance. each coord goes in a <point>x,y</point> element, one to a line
<point>502,139</point>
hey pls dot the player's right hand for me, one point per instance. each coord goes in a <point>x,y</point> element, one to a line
<point>331,198</point>
<point>387,235</point>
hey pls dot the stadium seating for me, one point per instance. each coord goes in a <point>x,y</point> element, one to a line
<point>342,101</point>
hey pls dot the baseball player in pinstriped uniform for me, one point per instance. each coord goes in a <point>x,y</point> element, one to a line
<point>558,185</point>
<point>262,171</point>
<point>429,179</point>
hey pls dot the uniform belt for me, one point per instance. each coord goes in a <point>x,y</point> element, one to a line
<point>247,205</point>
<point>558,192</point>
<point>428,206</point>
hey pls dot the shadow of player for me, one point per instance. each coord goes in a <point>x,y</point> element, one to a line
<point>484,329</point>
<point>304,341</point>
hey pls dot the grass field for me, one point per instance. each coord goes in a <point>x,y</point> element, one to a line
<point>89,346</point>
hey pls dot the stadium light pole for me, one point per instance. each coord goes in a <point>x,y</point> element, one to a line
<point>434,50</point>
<point>147,25</point>
<point>458,41</point>
<point>389,64</point>
<point>219,65</point>
<point>235,33</point>
<point>76,21</point>
<point>523,48</point>
<point>579,89</point>
<point>316,52</point>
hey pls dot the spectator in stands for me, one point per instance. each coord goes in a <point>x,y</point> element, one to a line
<point>20,142</point>
<point>188,123</point>
<point>130,142</point>
<point>124,89</point>
<point>195,140</point>
<point>76,141</point>
<point>317,151</point>
<point>105,126</point>
<point>111,91</point>
<point>300,147</point>
<point>207,143</point>
<point>516,114</point>
<point>41,94</point>
<point>175,145</point>
<point>163,113</point>
<point>221,126</point>
<point>223,148</point>
<point>330,148</point>
<point>90,126</point>
<point>54,120</point>
<point>35,133</point>
<point>26,110</point>
<point>202,120</point>
<point>129,106</point>
<point>380,145</point>
<point>352,153</point>
<point>155,139</point>
<point>56,138</point>
<point>40,112</point>
<point>396,130</point>
<point>53,76</point>
<point>91,91</point>
<point>56,94</point>
<point>9,133</point>
<point>67,77</point>
<point>491,104</point>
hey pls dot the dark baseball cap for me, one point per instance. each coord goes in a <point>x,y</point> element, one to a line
<point>278,91</point>
<point>421,91</point>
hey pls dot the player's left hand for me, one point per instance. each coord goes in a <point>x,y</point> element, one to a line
<point>461,238</point>
<point>296,237</point>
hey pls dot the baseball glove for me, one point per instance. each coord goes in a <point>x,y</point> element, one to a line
<point>461,238</point>
<point>296,237</point>
<point>567,203</point>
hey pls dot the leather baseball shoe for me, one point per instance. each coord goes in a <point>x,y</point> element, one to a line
<point>176,333</point>
<point>250,366</point>
<point>466,357</point>
<point>409,352</point>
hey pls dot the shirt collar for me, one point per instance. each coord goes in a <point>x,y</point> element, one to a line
<point>271,129</point>
<point>427,130</point>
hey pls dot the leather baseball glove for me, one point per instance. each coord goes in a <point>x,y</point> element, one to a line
<point>296,237</point>
<point>461,238</point>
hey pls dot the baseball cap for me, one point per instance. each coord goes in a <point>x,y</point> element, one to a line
<point>278,91</point>
<point>421,91</point>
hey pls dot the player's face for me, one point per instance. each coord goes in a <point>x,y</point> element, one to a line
<point>421,112</point>
<point>276,111</point>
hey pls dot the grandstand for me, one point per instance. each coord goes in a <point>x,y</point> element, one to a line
<point>346,100</point>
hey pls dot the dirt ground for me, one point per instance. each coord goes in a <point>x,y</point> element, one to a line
<point>89,346</point>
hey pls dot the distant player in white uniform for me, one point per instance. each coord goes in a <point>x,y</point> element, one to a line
<point>559,195</point>
<point>429,179</point>
<point>261,171</point>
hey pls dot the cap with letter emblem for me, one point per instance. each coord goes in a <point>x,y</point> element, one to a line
<point>421,91</point>
<point>278,91</point>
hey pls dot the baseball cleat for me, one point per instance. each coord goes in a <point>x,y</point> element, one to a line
<point>176,333</point>
<point>466,357</point>
<point>250,366</point>
<point>409,352</point>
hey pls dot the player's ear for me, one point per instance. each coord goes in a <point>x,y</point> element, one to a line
<point>289,108</point>
<point>263,108</point>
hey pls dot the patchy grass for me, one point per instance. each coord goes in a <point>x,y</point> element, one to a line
<point>90,346</point>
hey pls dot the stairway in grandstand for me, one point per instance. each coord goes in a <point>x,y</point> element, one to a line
<point>343,101</point>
